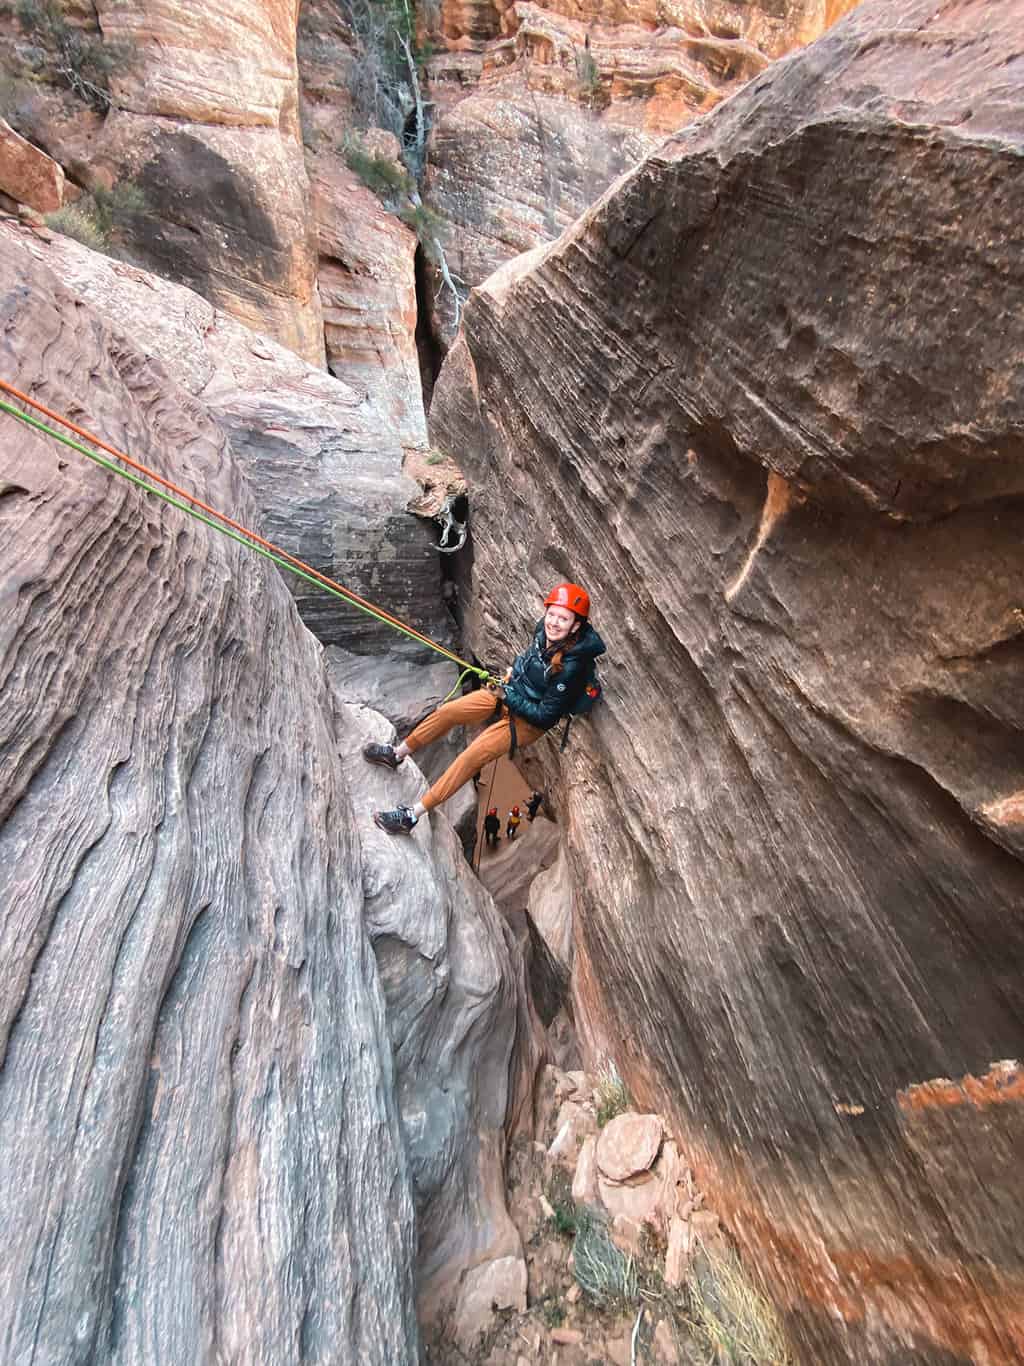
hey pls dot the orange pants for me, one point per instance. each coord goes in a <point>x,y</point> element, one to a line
<point>473,709</point>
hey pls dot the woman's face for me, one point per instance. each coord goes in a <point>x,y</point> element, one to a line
<point>558,622</point>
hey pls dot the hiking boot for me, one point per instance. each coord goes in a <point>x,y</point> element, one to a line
<point>384,755</point>
<point>398,822</point>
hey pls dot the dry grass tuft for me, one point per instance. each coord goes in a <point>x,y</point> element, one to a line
<point>731,1316</point>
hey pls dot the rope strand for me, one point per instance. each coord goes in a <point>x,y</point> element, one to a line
<point>219,521</point>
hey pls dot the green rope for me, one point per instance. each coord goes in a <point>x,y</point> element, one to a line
<point>461,678</point>
<point>235,536</point>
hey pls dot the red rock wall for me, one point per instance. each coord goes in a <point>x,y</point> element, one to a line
<point>764,401</point>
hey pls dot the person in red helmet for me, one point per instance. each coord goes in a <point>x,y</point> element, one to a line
<point>544,684</point>
<point>514,821</point>
<point>492,827</point>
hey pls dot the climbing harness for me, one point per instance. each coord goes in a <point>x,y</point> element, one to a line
<point>449,524</point>
<point>219,521</point>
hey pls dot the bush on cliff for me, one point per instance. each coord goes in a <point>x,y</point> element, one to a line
<point>100,220</point>
<point>83,63</point>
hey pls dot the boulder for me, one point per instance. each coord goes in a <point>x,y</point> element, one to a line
<point>638,1200</point>
<point>628,1145</point>
<point>677,1255</point>
<point>573,1125</point>
<point>584,1181</point>
<point>770,414</point>
<point>494,1285</point>
<point>27,175</point>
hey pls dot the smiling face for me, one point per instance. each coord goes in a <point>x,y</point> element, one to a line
<point>558,622</point>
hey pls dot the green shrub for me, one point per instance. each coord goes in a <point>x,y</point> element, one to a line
<point>612,1096</point>
<point>606,1275</point>
<point>553,1312</point>
<point>114,209</point>
<point>77,222</point>
<point>564,1218</point>
<point>588,74</point>
<point>83,63</point>
<point>388,180</point>
<point>428,227</point>
<point>99,219</point>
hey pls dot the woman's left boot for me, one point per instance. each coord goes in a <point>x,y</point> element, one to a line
<point>400,821</point>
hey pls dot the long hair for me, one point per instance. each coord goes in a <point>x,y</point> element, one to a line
<point>564,646</point>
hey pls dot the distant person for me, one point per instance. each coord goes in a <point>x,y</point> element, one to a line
<point>547,681</point>
<point>492,827</point>
<point>533,805</point>
<point>513,823</point>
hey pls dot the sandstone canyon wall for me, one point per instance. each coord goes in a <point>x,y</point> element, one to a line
<point>245,1036</point>
<point>206,124</point>
<point>200,1140</point>
<point>764,399</point>
<point>541,107</point>
<point>323,464</point>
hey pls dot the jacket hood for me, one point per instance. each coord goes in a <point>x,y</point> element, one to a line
<point>589,646</point>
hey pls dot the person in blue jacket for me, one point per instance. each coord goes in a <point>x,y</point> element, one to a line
<point>546,682</point>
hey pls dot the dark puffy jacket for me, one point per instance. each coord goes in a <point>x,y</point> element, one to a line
<point>543,698</point>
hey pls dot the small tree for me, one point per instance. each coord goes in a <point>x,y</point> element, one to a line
<point>82,63</point>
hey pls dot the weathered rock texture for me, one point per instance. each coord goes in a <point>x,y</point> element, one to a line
<point>325,465</point>
<point>465,1043</point>
<point>207,126</point>
<point>765,401</point>
<point>198,1129</point>
<point>367,281</point>
<point>27,175</point>
<point>543,106</point>
<point>201,1134</point>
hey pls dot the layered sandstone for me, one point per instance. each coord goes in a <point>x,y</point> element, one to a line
<point>542,106</point>
<point>239,1026</point>
<point>367,283</point>
<point>206,124</point>
<point>763,401</point>
<point>198,1109</point>
<point>322,458</point>
<point>28,175</point>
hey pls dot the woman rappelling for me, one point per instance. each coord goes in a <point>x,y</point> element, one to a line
<point>548,681</point>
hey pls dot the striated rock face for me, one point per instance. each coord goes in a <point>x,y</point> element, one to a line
<point>207,127</point>
<point>509,169</point>
<point>201,1084</point>
<point>198,1130</point>
<point>764,401</point>
<point>543,106</point>
<point>367,282</point>
<point>326,467</point>
<point>463,1040</point>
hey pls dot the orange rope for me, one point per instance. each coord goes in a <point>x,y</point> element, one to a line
<point>307,569</point>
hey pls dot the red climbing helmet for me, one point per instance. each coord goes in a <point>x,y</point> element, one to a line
<point>515,811</point>
<point>493,811</point>
<point>569,595</point>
